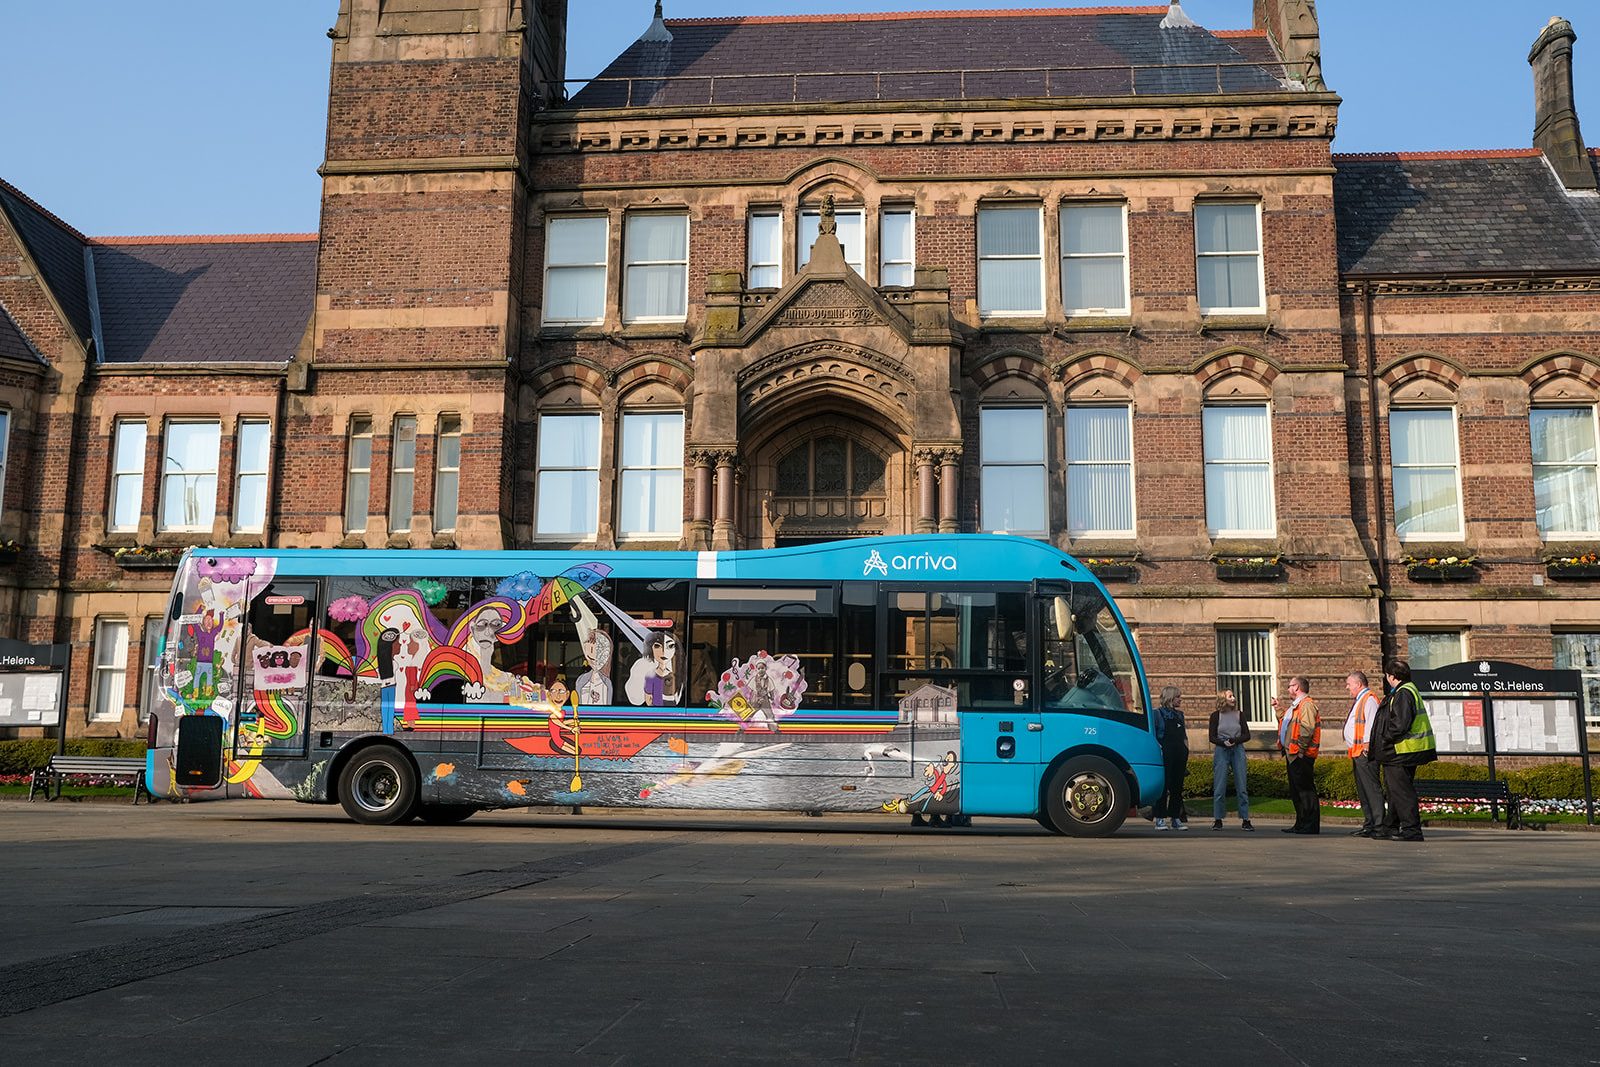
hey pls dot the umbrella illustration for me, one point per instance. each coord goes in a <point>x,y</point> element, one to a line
<point>564,587</point>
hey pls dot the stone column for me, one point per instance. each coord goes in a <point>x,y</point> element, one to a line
<point>927,461</point>
<point>949,489</point>
<point>698,528</point>
<point>722,523</point>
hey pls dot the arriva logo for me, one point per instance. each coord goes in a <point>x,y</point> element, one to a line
<point>926,561</point>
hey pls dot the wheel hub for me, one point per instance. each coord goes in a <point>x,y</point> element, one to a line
<point>1088,797</point>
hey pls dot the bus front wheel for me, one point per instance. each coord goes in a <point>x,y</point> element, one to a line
<point>379,787</point>
<point>1087,797</point>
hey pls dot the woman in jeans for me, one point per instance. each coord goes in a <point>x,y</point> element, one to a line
<point>1229,731</point>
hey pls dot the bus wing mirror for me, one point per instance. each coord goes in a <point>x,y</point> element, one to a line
<point>1062,613</point>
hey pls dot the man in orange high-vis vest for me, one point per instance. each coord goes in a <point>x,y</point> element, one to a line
<point>1299,738</point>
<point>1358,740</point>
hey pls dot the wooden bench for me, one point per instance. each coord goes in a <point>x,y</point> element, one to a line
<point>63,767</point>
<point>1496,792</point>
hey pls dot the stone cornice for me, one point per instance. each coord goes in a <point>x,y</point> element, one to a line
<point>1042,122</point>
<point>1437,285</point>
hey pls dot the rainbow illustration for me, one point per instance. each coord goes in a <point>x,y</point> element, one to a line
<point>273,717</point>
<point>448,661</point>
<point>336,652</point>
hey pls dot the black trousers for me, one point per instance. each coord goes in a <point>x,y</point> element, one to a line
<point>1303,790</point>
<point>1369,787</point>
<point>1169,805</point>
<point>1401,788</point>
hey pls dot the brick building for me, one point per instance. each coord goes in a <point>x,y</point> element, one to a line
<point>1093,275</point>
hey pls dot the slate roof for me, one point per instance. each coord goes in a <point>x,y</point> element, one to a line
<point>13,345</point>
<point>1457,212</point>
<point>205,299</point>
<point>58,250</point>
<point>1005,54</point>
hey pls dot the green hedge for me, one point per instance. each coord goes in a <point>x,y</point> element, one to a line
<point>25,757</point>
<point>1336,780</point>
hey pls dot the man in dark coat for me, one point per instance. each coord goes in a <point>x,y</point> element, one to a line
<point>1402,741</point>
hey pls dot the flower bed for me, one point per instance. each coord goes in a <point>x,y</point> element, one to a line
<point>1586,565</point>
<point>1440,568</point>
<point>1112,569</point>
<point>143,557</point>
<point>1249,568</point>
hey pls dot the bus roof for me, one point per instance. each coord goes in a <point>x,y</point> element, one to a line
<point>916,558</point>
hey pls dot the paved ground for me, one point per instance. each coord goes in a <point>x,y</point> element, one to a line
<point>264,933</point>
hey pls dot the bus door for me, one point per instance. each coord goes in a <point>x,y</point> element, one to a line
<point>279,646</point>
<point>965,683</point>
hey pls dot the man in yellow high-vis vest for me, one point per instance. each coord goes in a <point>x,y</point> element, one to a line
<point>1402,741</point>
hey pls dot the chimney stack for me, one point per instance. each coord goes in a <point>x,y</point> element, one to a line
<point>1555,123</point>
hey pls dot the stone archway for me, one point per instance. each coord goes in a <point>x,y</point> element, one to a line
<point>827,474</point>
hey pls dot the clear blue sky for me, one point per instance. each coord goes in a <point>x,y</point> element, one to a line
<point>207,116</point>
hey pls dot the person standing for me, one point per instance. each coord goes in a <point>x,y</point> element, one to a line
<point>1172,731</point>
<point>1358,741</point>
<point>1229,731</point>
<point>1299,738</point>
<point>1402,741</point>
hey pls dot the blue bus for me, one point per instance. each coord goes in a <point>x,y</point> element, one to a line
<point>940,677</point>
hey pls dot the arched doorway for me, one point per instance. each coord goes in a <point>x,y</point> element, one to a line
<point>827,476</point>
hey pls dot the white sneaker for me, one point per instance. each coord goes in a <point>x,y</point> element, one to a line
<point>1178,824</point>
<point>1161,824</point>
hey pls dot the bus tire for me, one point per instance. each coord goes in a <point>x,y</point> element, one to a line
<point>1087,797</point>
<point>445,814</point>
<point>379,786</point>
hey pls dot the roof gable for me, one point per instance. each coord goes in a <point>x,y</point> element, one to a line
<point>57,249</point>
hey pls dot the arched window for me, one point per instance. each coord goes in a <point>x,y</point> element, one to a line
<point>831,466</point>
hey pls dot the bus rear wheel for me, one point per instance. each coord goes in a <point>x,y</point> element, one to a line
<point>1087,797</point>
<point>444,814</point>
<point>379,787</point>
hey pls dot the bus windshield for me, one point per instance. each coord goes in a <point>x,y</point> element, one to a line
<point>1088,664</point>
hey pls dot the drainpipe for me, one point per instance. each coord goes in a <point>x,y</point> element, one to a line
<point>1380,519</point>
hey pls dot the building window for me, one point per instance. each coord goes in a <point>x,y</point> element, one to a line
<point>1581,652</point>
<point>403,474</point>
<point>1245,665</point>
<point>252,447</point>
<point>358,476</point>
<point>150,650</point>
<point>651,503</point>
<point>110,670</point>
<point>189,476</point>
<point>1010,261</point>
<point>446,473</point>
<point>1238,457</point>
<point>1566,487</point>
<point>656,280</point>
<point>575,270</point>
<point>1228,258</point>
<point>766,250</point>
<point>127,475</point>
<point>1099,472</point>
<point>852,235</point>
<point>1094,259</point>
<point>831,466</point>
<point>1427,478</point>
<point>1011,450</point>
<point>897,247</point>
<point>1430,651</point>
<point>568,481</point>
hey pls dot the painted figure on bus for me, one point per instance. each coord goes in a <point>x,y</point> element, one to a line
<point>652,682</point>
<point>594,685</point>
<point>939,797</point>
<point>760,691</point>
